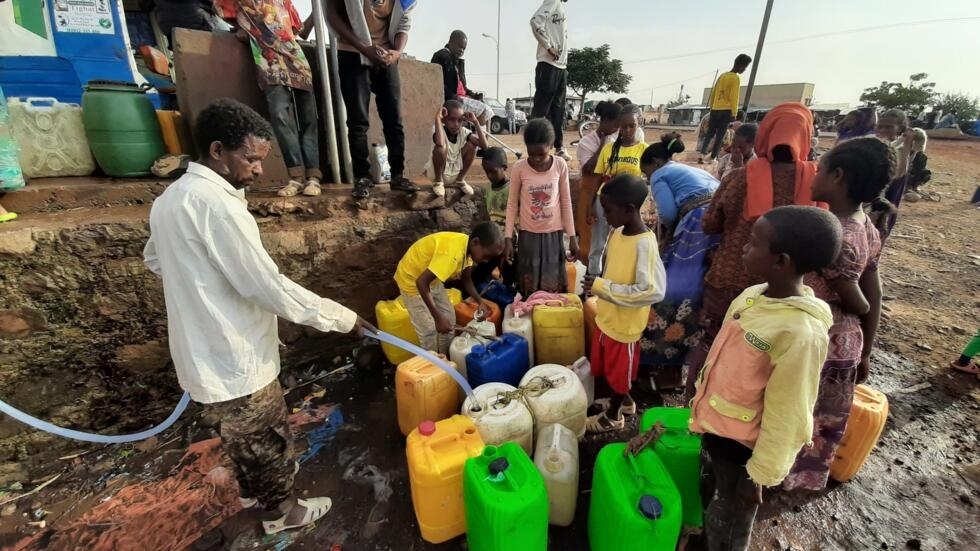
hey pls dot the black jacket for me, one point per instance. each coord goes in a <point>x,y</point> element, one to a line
<point>451,68</point>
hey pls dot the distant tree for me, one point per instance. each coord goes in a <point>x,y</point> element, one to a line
<point>592,70</point>
<point>913,97</point>
<point>967,108</point>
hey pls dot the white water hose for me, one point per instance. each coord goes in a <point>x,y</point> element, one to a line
<point>186,399</point>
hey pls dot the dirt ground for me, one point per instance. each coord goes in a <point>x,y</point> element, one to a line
<point>919,490</point>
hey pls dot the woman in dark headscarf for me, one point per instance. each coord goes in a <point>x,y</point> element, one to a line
<point>857,124</point>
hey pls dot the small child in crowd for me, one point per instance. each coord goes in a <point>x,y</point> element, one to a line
<point>454,148</point>
<point>919,174</point>
<point>541,204</point>
<point>495,167</point>
<point>588,153</point>
<point>966,362</point>
<point>741,151</point>
<point>428,264</point>
<point>633,279</point>
<point>755,394</point>
<point>851,175</point>
<point>619,157</point>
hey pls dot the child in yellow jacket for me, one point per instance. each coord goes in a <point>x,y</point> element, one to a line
<point>756,392</point>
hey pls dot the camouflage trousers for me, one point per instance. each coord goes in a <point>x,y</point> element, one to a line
<point>255,435</point>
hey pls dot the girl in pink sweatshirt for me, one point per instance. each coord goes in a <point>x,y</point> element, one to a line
<point>540,204</point>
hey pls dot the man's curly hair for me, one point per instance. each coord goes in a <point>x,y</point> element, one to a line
<point>229,122</point>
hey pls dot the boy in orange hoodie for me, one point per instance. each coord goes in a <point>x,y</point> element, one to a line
<point>756,392</point>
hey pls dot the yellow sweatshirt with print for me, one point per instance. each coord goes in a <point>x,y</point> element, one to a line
<point>759,383</point>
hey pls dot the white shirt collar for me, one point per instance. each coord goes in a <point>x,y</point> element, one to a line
<point>202,171</point>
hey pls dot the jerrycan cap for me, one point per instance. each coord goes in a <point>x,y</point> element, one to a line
<point>498,466</point>
<point>650,507</point>
<point>427,428</point>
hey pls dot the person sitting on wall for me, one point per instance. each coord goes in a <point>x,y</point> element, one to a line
<point>453,66</point>
<point>948,121</point>
<point>453,148</point>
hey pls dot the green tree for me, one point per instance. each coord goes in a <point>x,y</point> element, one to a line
<point>592,70</point>
<point>967,108</point>
<point>912,97</point>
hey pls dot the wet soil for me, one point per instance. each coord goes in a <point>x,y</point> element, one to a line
<point>920,489</point>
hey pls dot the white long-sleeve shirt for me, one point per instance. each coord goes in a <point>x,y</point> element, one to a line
<point>551,31</point>
<point>223,291</point>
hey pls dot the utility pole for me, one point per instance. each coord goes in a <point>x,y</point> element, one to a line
<point>758,56</point>
<point>498,50</point>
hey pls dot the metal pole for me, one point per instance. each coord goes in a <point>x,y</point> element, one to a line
<point>758,56</point>
<point>326,104</point>
<point>341,111</point>
<point>498,50</point>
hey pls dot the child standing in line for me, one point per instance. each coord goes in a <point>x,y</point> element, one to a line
<point>588,151</point>
<point>850,175</point>
<point>741,151</point>
<point>919,174</point>
<point>620,157</point>
<point>495,196</point>
<point>633,279</point>
<point>428,264</point>
<point>755,394</point>
<point>541,202</point>
<point>453,148</point>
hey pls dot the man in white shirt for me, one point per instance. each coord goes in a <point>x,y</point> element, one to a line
<point>223,293</point>
<point>551,73</point>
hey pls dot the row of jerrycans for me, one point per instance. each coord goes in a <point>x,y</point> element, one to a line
<point>498,496</point>
<point>494,494</point>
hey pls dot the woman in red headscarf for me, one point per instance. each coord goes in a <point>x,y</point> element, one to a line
<point>780,175</point>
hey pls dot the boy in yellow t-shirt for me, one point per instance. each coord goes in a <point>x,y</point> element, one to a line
<point>633,279</point>
<point>619,157</point>
<point>428,264</point>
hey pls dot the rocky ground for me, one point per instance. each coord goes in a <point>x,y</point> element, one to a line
<point>919,490</point>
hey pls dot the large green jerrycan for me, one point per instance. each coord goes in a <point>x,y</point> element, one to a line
<point>680,451</point>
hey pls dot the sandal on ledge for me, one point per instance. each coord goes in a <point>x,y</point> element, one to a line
<point>291,189</point>
<point>312,188</point>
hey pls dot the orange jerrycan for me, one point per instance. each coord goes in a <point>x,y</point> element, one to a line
<point>559,333</point>
<point>424,392</point>
<point>868,415</point>
<point>436,454</point>
<point>393,319</point>
<point>466,309</point>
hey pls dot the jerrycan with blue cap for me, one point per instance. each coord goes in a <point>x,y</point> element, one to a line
<point>635,503</point>
<point>505,500</point>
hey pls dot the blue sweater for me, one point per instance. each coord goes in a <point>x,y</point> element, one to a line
<point>675,184</point>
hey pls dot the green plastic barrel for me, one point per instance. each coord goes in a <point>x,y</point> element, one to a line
<point>680,451</point>
<point>506,501</point>
<point>122,128</point>
<point>635,504</point>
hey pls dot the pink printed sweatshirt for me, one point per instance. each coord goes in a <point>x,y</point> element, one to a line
<point>542,200</point>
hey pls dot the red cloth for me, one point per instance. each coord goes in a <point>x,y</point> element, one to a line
<point>460,89</point>
<point>615,361</point>
<point>788,124</point>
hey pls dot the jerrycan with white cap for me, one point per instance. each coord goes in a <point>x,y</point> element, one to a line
<point>554,394</point>
<point>463,343</point>
<point>556,457</point>
<point>500,416</point>
<point>519,325</point>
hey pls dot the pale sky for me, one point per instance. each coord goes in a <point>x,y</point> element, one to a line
<point>666,44</point>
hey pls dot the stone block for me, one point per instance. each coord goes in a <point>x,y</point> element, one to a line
<point>20,323</point>
<point>17,242</point>
<point>149,357</point>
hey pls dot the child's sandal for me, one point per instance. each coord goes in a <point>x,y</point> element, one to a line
<point>600,423</point>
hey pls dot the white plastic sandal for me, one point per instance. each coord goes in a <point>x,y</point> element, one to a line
<point>291,189</point>
<point>315,507</point>
<point>312,188</point>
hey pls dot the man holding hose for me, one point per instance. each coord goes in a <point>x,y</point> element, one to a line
<point>223,293</point>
